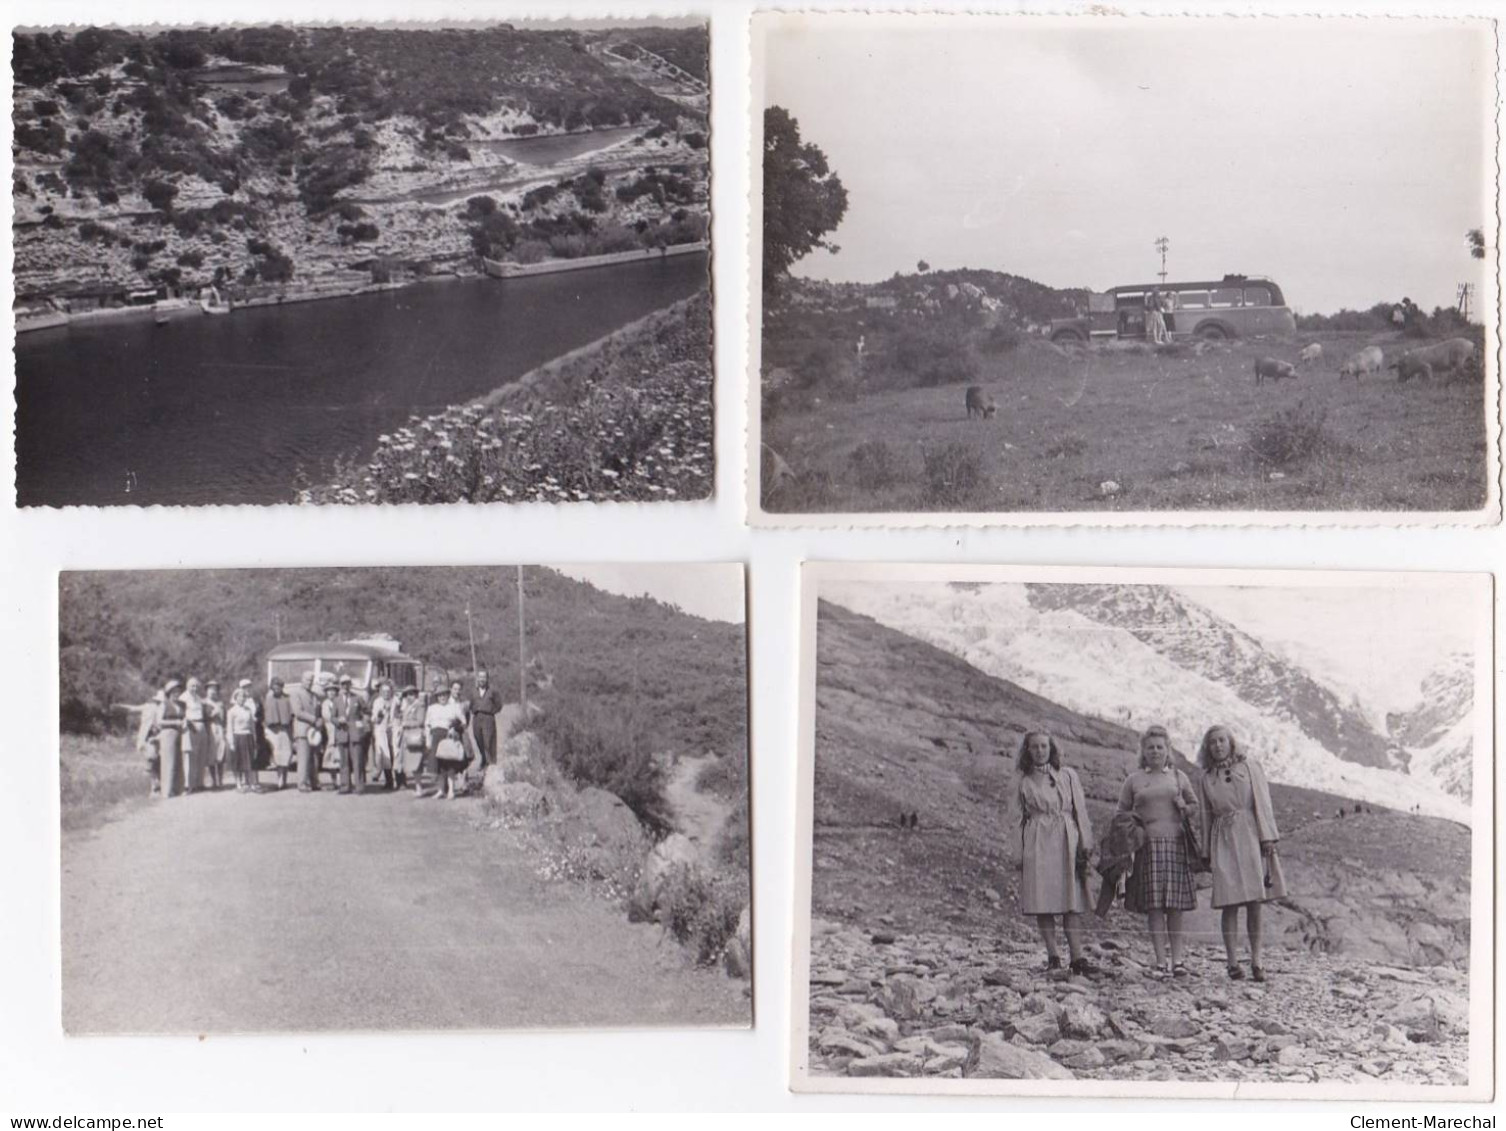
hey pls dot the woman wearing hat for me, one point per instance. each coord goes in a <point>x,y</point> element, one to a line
<point>164,726</point>
<point>1239,828</point>
<point>1055,841</point>
<point>197,738</point>
<point>445,722</point>
<point>277,721</point>
<point>1161,885</point>
<point>413,740</point>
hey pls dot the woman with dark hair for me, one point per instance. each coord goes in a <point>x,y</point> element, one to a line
<point>1239,828</point>
<point>1055,841</point>
<point>1161,883</point>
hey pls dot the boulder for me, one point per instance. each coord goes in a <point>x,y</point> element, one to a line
<point>609,818</point>
<point>1086,1060</point>
<point>835,1040</point>
<point>1038,1028</point>
<point>1175,1027</point>
<point>885,1029</point>
<point>674,851</point>
<point>736,961</point>
<point>1231,1048</point>
<point>1082,1019</point>
<point>905,996</point>
<point>517,798</point>
<point>886,1064</point>
<point>993,1058</point>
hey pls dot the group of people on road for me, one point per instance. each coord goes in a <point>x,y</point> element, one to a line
<point>396,738</point>
<point>1168,826</point>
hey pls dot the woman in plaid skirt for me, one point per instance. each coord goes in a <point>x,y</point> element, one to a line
<point>1161,883</point>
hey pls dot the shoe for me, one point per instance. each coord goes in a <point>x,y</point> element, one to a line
<point>1083,967</point>
<point>1053,963</point>
<point>1256,974</point>
<point>1235,973</point>
<point>305,789</point>
<point>1179,970</point>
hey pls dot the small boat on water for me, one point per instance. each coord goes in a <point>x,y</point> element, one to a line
<point>214,303</point>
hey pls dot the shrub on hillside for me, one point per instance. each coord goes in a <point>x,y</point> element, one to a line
<point>953,473</point>
<point>875,465</point>
<point>931,355</point>
<point>1292,435</point>
<point>592,749</point>
<point>701,911</point>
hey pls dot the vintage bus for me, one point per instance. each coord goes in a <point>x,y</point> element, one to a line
<point>368,661</point>
<point>1236,306</point>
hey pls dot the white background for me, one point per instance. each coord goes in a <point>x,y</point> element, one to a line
<point>43,1074</point>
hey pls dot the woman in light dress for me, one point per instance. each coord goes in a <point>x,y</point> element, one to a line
<point>198,739</point>
<point>1055,840</point>
<point>240,725</point>
<point>1239,830</point>
<point>1161,883</point>
<point>384,727</point>
<point>415,740</point>
<point>214,707</point>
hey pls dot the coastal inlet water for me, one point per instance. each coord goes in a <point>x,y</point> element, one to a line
<point>227,409</point>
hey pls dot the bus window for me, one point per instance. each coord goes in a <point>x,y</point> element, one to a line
<point>1225,296</point>
<point>1257,296</point>
<point>1130,300</point>
<point>289,671</point>
<point>358,670</point>
<point>1188,300</point>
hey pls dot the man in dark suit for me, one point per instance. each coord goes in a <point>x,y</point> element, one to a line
<point>350,737</point>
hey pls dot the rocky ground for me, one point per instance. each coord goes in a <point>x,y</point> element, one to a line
<point>949,1005</point>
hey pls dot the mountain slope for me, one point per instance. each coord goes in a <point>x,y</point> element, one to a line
<point>903,726</point>
<point>1138,655</point>
<point>1437,734</point>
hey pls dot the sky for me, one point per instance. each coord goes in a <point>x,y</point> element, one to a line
<point>712,590</point>
<point>1344,158</point>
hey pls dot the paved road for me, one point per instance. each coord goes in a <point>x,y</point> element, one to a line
<point>226,912</point>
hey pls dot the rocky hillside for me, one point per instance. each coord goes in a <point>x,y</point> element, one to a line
<point>321,158</point>
<point>1435,738</point>
<point>1143,654</point>
<point>944,1005</point>
<point>903,726</point>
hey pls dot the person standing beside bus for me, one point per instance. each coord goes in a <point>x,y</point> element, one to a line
<point>348,733</point>
<point>277,721</point>
<point>414,744</point>
<point>384,709</point>
<point>307,717</point>
<point>240,728</point>
<point>214,707</point>
<point>164,723</point>
<point>1155,321</point>
<point>196,735</point>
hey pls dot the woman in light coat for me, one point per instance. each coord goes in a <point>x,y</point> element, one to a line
<point>1161,884</point>
<point>1053,838</point>
<point>1239,829</point>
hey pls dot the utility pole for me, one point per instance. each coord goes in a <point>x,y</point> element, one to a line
<point>522,656</point>
<point>470,632</point>
<point>277,624</point>
<point>1466,292</point>
<point>1162,243</point>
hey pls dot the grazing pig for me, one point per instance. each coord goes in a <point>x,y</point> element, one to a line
<point>1310,353</point>
<point>1270,368</point>
<point>1441,357</point>
<point>980,403</point>
<point>1368,360</point>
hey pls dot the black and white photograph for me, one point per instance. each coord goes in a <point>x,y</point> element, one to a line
<point>1094,268</point>
<point>397,263</point>
<point>1099,832</point>
<point>399,799</point>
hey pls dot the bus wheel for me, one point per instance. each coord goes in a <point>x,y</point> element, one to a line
<point>1212,332</point>
<point>1068,338</point>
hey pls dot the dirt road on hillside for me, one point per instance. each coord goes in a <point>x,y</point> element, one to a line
<point>226,912</point>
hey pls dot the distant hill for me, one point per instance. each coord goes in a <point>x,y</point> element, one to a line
<point>1141,653</point>
<point>678,678</point>
<point>905,726</point>
<point>256,156</point>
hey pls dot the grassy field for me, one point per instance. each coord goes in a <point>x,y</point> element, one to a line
<point>96,775</point>
<point>1134,429</point>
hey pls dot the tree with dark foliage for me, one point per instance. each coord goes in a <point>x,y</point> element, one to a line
<point>803,198</point>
